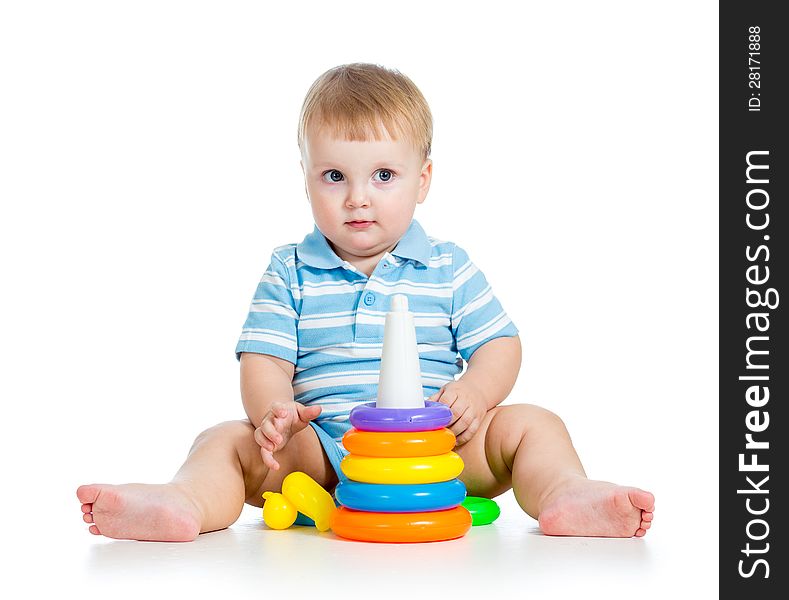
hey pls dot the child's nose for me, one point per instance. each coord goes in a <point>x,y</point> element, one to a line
<point>357,198</point>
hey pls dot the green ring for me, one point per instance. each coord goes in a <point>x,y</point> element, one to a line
<point>483,510</point>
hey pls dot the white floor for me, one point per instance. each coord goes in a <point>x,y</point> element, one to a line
<point>510,556</point>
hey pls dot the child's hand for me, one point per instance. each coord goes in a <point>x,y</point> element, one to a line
<point>280,423</point>
<point>468,408</point>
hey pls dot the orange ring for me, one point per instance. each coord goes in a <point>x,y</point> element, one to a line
<point>397,444</point>
<point>401,527</point>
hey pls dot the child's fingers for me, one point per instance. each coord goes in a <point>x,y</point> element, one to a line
<point>450,398</point>
<point>268,459</point>
<point>271,433</point>
<point>468,433</point>
<point>273,430</point>
<point>308,413</point>
<point>267,444</point>
<point>280,410</point>
<point>461,422</point>
<point>462,439</point>
<point>435,397</point>
<point>262,440</point>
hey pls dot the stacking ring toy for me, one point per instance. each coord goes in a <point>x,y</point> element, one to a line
<point>483,510</point>
<point>418,469</point>
<point>377,497</point>
<point>394,444</point>
<point>304,520</point>
<point>368,417</point>
<point>401,527</point>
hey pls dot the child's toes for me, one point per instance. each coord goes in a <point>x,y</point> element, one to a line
<point>86,508</point>
<point>94,530</point>
<point>640,532</point>
<point>645,525</point>
<point>87,517</point>
<point>641,499</point>
<point>87,494</point>
<point>647,516</point>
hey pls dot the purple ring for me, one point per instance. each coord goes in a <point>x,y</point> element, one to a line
<point>434,415</point>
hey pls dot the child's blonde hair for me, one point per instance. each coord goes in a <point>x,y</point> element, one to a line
<point>354,100</point>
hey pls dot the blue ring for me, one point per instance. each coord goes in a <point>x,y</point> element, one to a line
<point>401,498</point>
<point>433,415</point>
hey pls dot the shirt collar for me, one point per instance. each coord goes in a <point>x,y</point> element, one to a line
<point>314,249</point>
<point>414,245</point>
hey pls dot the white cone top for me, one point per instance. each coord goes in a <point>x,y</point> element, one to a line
<point>400,380</point>
<point>399,303</point>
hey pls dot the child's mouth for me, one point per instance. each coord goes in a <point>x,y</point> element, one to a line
<point>360,224</point>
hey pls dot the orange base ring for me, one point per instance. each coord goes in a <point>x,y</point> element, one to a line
<point>401,527</point>
<point>397,444</point>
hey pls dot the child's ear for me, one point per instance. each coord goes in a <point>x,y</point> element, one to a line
<point>306,191</point>
<point>425,177</point>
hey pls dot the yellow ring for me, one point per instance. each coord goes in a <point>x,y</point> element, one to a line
<point>419,469</point>
<point>398,444</point>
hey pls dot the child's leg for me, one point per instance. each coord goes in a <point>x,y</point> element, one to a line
<point>528,448</point>
<point>222,471</point>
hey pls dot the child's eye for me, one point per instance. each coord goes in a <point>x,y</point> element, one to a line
<point>384,175</point>
<point>333,176</point>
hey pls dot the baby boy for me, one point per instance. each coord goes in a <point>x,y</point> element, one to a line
<point>311,346</point>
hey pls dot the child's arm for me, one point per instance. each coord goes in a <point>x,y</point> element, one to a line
<point>489,378</point>
<point>493,369</point>
<point>267,395</point>
<point>265,379</point>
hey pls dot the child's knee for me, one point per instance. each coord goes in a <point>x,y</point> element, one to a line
<point>513,423</point>
<point>521,417</point>
<point>226,432</point>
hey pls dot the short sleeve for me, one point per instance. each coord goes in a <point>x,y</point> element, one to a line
<point>477,315</point>
<point>272,323</point>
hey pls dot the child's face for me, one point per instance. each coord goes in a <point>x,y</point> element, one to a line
<point>363,194</point>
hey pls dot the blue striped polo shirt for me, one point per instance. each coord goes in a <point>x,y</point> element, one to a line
<point>320,313</point>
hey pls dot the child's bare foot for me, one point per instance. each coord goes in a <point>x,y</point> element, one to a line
<point>137,511</point>
<point>583,507</point>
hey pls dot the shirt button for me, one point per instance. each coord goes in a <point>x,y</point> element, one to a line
<point>369,299</point>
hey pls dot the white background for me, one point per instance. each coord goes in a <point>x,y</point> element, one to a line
<point>148,165</point>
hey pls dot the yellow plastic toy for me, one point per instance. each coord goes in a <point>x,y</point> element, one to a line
<point>420,469</point>
<point>309,498</point>
<point>278,513</point>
